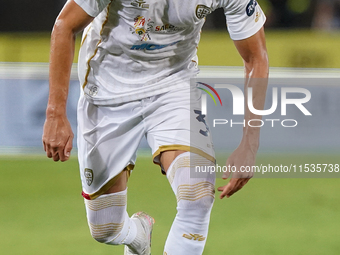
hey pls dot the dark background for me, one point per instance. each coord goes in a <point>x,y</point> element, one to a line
<point>28,15</point>
<point>39,15</point>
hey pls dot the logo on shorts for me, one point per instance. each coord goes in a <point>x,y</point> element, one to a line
<point>200,117</point>
<point>202,11</point>
<point>195,237</point>
<point>250,9</point>
<point>88,176</point>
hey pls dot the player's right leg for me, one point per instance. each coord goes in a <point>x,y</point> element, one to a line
<point>107,141</point>
<point>107,217</point>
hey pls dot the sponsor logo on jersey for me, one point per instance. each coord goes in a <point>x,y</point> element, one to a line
<point>140,4</point>
<point>250,9</point>
<point>195,237</point>
<point>151,46</point>
<point>257,17</point>
<point>88,173</point>
<point>139,21</point>
<point>168,28</point>
<point>202,11</point>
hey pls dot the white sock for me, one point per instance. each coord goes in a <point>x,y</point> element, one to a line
<point>109,221</point>
<point>195,197</point>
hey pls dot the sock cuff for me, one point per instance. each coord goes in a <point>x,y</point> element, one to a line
<point>188,160</point>
<point>107,200</point>
<point>123,192</point>
<point>182,160</point>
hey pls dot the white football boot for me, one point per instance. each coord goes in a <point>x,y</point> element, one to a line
<point>144,222</point>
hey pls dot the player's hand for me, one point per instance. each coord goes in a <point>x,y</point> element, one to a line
<point>242,157</point>
<point>57,138</point>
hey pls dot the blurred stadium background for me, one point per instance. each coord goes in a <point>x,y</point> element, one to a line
<point>41,210</point>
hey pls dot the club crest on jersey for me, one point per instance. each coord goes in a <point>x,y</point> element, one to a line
<point>250,9</point>
<point>88,173</point>
<point>140,4</point>
<point>202,11</point>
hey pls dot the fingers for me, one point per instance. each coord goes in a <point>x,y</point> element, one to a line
<point>53,152</point>
<point>226,175</point>
<point>44,145</point>
<point>234,185</point>
<point>47,149</point>
<point>58,151</point>
<point>67,151</point>
<point>55,156</point>
<point>227,189</point>
<point>57,138</point>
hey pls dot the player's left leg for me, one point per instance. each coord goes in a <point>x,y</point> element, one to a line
<point>195,197</point>
<point>180,140</point>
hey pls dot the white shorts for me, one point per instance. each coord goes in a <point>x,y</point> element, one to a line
<point>108,136</point>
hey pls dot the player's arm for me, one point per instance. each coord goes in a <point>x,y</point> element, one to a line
<point>58,135</point>
<point>254,53</point>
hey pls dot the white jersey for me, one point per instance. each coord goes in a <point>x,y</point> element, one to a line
<point>135,49</point>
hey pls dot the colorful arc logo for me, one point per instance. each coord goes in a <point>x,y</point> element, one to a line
<point>209,93</point>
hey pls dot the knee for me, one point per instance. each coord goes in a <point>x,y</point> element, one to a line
<point>197,197</point>
<point>106,216</point>
<point>196,212</point>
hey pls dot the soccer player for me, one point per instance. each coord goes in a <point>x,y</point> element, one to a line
<point>135,64</point>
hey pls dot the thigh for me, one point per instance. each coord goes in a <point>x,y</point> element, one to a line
<point>108,138</point>
<point>178,125</point>
<point>166,158</point>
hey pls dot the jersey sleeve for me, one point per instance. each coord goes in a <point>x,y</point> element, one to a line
<point>244,18</point>
<point>92,7</point>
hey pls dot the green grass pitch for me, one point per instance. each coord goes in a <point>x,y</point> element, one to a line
<point>42,212</point>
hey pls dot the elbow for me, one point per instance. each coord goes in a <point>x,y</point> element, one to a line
<point>61,28</point>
